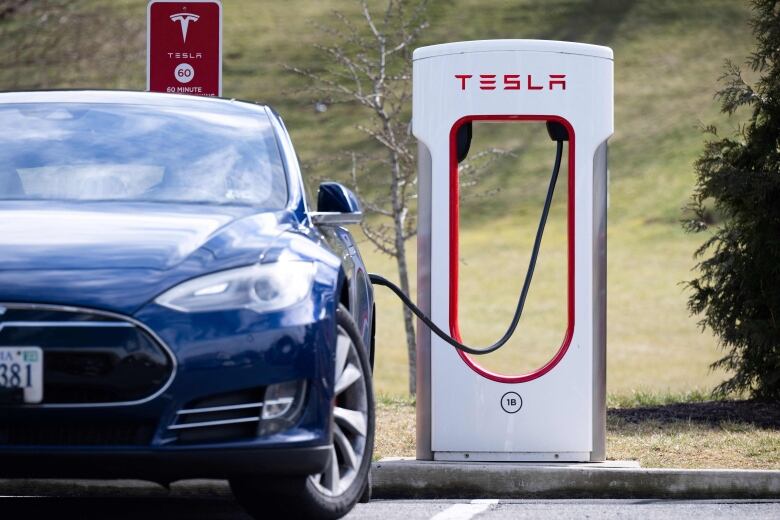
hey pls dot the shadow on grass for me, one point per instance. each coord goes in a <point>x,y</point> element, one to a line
<point>711,413</point>
<point>593,21</point>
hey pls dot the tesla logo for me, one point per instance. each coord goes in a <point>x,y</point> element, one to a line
<point>513,81</point>
<point>184,19</point>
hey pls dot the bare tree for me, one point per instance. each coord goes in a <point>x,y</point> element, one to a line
<point>369,65</point>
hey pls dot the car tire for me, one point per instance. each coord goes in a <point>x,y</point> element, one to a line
<point>333,493</point>
<point>365,497</point>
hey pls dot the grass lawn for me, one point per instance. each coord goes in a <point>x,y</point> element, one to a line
<point>653,344</point>
<point>656,430</point>
<point>668,56</point>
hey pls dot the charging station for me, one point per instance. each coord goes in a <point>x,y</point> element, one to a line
<point>556,412</point>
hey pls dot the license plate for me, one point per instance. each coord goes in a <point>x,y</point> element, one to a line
<point>21,369</point>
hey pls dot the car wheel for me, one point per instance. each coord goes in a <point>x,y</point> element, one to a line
<point>334,492</point>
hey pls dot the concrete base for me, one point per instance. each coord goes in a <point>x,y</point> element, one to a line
<point>409,478</point>
<point>605,464</point>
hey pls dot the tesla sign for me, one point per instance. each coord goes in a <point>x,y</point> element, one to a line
<point>184,47</point>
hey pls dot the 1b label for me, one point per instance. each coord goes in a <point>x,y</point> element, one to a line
<point>511,402</point>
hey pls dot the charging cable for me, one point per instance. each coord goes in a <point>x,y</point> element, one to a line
<point>557,132</point>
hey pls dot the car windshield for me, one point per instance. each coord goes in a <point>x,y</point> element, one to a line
<point>96,152</point>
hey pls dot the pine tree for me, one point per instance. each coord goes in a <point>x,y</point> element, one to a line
<point>737,292</point>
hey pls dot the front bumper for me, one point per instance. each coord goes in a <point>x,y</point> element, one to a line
<point>163,465</point>
<point>218,356</point>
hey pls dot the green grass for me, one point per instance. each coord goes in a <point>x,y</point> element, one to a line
<point>668,55</point>
<point>653,344</point>
<point>644,398</point>
<point>691,445</point>
<point>676,442</point>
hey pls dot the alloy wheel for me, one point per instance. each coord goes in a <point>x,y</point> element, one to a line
<point>350,421</point>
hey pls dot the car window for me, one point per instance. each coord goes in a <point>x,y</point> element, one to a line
<point>139,153</point>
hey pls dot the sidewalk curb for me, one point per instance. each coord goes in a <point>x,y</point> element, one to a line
<point>430,480</point>
<point>424,479</point>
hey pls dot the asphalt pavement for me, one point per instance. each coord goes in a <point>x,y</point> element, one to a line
<point>486,509</point>
<point>218,504</point>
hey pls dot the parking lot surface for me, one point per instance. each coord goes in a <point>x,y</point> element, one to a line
<point>216,503</point>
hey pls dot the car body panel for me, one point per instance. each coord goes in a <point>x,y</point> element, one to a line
<point>119,256</point>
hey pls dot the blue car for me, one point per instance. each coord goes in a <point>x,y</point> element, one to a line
<point>171,306</point>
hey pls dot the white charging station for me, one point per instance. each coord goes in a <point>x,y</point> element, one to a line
<point>558,411</point>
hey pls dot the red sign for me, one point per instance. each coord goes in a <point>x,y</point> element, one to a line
<point>184,47</point>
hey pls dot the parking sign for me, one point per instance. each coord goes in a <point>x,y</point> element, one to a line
<point>184,47</point>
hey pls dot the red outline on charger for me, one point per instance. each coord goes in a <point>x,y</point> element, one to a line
<point>454,248</point>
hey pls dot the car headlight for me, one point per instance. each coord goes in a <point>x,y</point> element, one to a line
<point>261,288</point>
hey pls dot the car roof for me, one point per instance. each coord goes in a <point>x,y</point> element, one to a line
<point>127,97</point>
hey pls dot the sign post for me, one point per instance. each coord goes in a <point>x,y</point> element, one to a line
<point>184,47</point>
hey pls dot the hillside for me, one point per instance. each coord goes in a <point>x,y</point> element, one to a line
<point>668,56</point>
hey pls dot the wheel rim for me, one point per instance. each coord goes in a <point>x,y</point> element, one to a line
<point>350,421</point>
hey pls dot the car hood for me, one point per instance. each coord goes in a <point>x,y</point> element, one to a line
<point>92,253</point>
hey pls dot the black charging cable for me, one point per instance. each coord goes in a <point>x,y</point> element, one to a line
<point>381,280</point>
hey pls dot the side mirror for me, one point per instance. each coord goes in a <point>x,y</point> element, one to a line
<point>336,206</point>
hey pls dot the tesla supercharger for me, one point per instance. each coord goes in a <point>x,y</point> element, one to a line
<point>556,412</point>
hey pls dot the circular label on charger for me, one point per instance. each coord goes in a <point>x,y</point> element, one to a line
<point>511,402</point>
